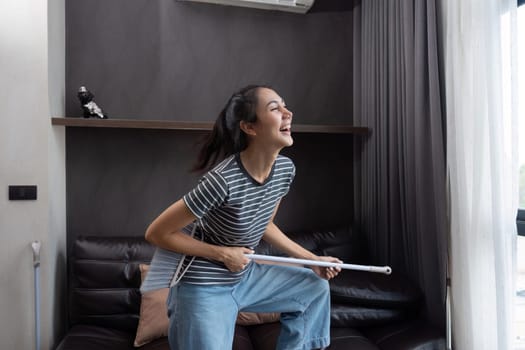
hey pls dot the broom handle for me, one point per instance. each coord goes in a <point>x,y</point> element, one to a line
<point>379,269</point>
<point>35,245</point>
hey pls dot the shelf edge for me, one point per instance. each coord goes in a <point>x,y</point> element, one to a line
<point>197,126</point>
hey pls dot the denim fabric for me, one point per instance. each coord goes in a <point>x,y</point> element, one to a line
<point>202,317</point>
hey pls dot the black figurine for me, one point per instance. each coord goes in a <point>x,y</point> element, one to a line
<point>89,107</point>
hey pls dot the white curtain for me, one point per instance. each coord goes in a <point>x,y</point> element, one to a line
<point>481,106</point>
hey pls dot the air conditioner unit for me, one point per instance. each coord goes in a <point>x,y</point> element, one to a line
<point>297,6</point>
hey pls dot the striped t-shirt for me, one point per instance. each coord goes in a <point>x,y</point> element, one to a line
<point>233,209</point>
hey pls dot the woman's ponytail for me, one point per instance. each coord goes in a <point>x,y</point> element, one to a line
<point>226,137</point>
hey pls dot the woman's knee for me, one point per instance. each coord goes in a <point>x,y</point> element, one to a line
<point>318,288</point>
<point>319,283</point>
<point>323,287</point>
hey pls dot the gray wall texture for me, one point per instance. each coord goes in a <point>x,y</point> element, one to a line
<point>120,180</point>
<point>175,60</point>
<point>170,59</point>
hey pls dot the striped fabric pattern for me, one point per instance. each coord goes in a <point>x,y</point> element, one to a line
<point>233,210</point>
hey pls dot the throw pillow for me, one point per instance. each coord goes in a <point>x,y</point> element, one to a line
<point>153,319</point>
<point>253,318</point>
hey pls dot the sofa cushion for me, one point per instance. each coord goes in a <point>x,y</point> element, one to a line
<point>410,335</point>
<point>374,289</point>
<point>264,337</point>
<point>348,338</point>
<point>242,340</point>
<point>84,337</point>
<point>344,315</point>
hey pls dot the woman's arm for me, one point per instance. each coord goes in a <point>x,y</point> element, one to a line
<point>165,232</point>
<point>279,240</point>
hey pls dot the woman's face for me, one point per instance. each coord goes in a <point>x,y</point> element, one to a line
<point>274,121</point>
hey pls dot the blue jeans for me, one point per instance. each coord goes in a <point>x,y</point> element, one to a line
<point>202,317</point>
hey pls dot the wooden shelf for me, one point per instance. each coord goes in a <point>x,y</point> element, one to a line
<point>131,123</point>
<point>185,125</point>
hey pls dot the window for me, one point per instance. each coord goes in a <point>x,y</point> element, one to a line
<point>521,113</point>
<point>520,280</point>
<point>521,110</point>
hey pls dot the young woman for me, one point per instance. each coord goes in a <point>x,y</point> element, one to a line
<point>206,234</point>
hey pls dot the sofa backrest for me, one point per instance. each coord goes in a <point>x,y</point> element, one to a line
<point>104,281</point>
<point>104,274</point>
<point>345,243</point>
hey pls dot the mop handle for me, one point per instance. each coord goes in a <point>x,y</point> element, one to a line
<point>380,269</point>
<point>35,246</point>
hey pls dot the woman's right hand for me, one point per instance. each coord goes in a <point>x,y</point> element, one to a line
<point>234,258</point>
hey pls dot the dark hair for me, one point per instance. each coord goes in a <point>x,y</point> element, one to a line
<point>227,138</point>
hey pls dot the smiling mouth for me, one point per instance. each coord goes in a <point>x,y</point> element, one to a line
<point>287,128</point>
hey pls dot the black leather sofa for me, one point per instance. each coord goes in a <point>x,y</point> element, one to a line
<point>369,311</point>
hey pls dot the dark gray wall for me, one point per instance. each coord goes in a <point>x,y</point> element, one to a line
<point>174,60</point>
<point>118,181</point>
<point>168,59</point>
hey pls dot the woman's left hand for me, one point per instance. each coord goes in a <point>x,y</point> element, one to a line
<point>327,272</point>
